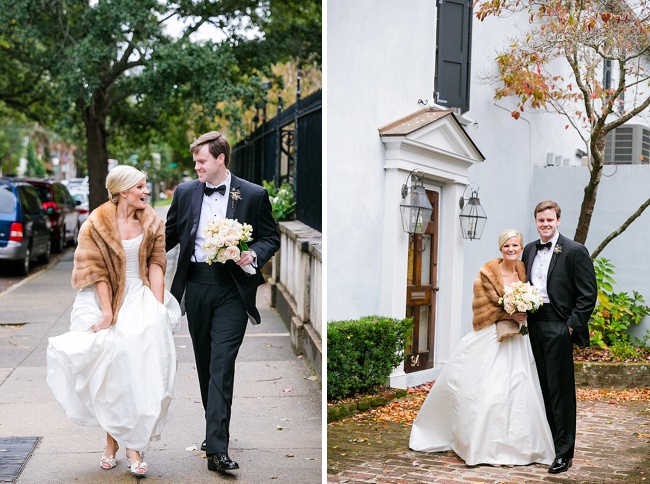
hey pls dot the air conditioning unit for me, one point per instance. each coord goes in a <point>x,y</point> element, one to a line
<point>628,145</point>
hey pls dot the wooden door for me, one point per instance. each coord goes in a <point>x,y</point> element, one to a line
<point>421,292</point>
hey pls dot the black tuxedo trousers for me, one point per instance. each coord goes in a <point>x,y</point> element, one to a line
<point>217,321</point>
<point>553,351</point>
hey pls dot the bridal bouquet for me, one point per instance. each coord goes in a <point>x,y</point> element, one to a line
<point>520,296</point>
<point>225,240</point>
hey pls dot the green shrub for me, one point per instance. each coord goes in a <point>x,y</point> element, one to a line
<point>614,312</point>
<point>626,351</point>
<point>282,200</point>
<point>361,354</point>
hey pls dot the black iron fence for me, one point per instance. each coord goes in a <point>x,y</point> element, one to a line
<point>288,148</point>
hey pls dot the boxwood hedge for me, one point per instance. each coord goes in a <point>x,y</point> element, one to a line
<point>362,353</point>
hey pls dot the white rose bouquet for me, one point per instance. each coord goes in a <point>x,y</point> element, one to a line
<point>520,297</point>
<point>225,240</point>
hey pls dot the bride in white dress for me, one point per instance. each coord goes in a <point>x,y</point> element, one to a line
<point>116,366</point>
<point>487,403</point>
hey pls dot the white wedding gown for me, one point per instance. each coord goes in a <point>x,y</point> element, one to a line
<point>487,405</point>
<point>120,378</point>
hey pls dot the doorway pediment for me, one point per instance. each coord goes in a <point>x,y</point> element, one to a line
<point>431,138</point>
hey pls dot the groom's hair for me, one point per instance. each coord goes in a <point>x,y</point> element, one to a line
<point>546,205</point>
<point>217,145</point>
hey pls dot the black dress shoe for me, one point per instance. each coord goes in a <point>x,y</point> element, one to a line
<point>221,462</point>
<point>203,446</point>
<point>560,464</point>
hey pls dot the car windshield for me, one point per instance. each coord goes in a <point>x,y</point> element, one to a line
<point>7,200</point>
<point>79,197</point>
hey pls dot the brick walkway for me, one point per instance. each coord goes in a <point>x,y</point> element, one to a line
<point>613,447</point>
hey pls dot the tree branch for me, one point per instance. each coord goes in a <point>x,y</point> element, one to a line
<point>621,229</point>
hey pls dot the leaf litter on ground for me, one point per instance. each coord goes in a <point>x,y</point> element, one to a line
<point>404,410</point>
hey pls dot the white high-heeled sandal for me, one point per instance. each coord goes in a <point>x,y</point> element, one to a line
<point>107,462</point>
<point>137,468</point>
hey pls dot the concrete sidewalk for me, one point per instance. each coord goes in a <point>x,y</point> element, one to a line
<point>276,422</point>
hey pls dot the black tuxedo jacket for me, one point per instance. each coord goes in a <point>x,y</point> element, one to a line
<point>571,284</point>
<point>252,207</point>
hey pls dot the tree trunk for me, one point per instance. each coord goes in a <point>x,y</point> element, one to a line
<point>97,157</point>
<point>587,207</point>
<point>591,189</point>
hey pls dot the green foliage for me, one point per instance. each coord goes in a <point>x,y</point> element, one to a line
<point>104,70</point>
<point>11,146</point>
<point>292,31</point>
<point>282,200</point>
<point>35,166</point>
<point>614,312</point>
<point>626,351</point>
<point>362,353</point>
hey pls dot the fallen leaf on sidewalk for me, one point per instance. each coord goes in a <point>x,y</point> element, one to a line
<point>287,390</point>
<point>312,378</point>
<point>190,448</point>
<point>279,428</point>
<point>289,455</point>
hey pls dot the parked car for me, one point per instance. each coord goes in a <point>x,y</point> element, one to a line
<point>81,200</point>
<point>75,182</point>
<point>25,228</point>
<point>61,209</point>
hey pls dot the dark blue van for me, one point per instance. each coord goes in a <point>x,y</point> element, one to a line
<point>24,226</point>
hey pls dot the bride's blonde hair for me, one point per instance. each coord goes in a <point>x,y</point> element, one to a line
<point>122,178</point>
<point>508,234</point>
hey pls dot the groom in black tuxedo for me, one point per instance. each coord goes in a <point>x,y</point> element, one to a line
<point>219,298</point>
<point>563,273</point>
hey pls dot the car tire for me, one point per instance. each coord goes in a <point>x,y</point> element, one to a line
<point>60,243</point>
<point>75,236</point>
<point>25,262</point>
<point>45,257</point>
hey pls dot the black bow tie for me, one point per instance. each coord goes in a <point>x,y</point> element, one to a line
<point>547,245</point>
<point>207,191</point>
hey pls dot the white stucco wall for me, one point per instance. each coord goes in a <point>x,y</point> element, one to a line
<point>380,62</point>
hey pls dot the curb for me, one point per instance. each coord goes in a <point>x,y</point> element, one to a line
<point>337,411</point>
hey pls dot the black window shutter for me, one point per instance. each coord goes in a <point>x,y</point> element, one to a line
<point>454,45</point>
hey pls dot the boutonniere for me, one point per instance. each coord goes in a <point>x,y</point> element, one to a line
<point>558,250</point>
<point>234,196</point>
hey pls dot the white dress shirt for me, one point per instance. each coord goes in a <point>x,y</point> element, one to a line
<point>214,206</point>
<point>541,264</point>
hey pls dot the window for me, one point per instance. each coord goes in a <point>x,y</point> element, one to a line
<point>607,74</point>
<point>453,54</point>
<point>7,200</point>
<point>29,199</point>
